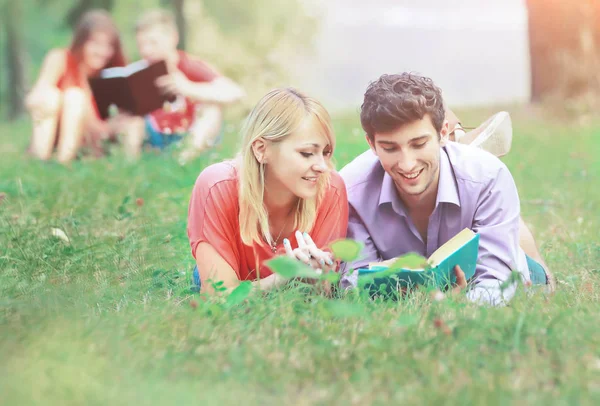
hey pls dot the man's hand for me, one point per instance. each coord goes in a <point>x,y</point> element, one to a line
<point>459,285</point>
<point>175,83</point>
<point>461,280</point>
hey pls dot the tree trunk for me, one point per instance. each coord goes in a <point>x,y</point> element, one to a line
<point>15,57</point>
<point>181,24</point>
<point>177,7</point>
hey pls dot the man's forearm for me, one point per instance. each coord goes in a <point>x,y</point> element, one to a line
<point>220,91</point>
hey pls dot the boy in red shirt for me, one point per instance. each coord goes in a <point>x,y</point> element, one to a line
<point>201,92</point>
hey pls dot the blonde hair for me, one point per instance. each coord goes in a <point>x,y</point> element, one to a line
<point>276,116</point>
<point>155,18</point>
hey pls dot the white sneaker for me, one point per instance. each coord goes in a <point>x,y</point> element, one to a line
<point>495,134</point>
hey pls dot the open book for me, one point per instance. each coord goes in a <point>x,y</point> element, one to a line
<point>130,88</point>
<point>462,250</point>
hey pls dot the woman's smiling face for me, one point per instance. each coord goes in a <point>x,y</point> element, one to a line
<point>296,163</point>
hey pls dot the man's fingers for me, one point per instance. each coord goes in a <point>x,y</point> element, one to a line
<point>461,280</point>
<point>162,80</point>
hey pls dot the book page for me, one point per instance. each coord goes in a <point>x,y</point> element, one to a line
<point>450,246</point>
<point>123,71</point>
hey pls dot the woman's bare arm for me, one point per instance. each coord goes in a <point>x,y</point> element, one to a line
<point>52,68</point>
<point>212,267</point>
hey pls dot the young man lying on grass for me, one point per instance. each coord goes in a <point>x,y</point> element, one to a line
<point>413,190</point>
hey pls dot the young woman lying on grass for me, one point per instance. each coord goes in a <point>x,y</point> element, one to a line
<point>61,104</point>
<point>279,196</point>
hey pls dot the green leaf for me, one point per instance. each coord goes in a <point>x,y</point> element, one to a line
<point>126,200</point>
<point>218,286</point>
<point>291,268</point>
<point>239,294</point>
<point>409,261</point>
<point>345,249</point>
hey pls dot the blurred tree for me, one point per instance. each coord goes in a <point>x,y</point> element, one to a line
<point>15,57</point>
<point>177,7</point>
<point>564,41</point>
<point>255,42</point>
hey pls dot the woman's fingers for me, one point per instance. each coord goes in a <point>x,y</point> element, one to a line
<point>297,253</point>
<point>307,252</point>
<point>324,258</point>
<point>302,256</point>
<point>313,251</point>
<point>288,248</point>
<point>300,238</point>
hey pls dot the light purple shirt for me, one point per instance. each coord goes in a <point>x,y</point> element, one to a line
<point>476,191</point>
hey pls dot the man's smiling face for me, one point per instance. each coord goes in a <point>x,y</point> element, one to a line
<point>411,156</point>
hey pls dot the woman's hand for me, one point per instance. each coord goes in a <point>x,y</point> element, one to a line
<point>308,253</point>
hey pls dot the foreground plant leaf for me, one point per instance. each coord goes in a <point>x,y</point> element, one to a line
<point>291,268</point>
<point>239,294</point>
<point>409,261</point>
<point>345,249</point>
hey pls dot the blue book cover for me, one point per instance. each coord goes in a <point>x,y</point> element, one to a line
<point>462,250</point>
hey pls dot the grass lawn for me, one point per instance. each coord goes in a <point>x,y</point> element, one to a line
<point>110,318</point>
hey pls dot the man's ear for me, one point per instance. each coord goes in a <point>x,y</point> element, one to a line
<point>444,133</point>
<point>259,148</point>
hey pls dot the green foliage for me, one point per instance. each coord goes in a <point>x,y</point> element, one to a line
<point>108,318</point>
<point>409,261</point>
<point>290,268</point>
<point>346,250</point>
<point>239,294</point>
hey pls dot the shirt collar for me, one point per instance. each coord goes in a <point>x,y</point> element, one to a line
<point>447,187</point>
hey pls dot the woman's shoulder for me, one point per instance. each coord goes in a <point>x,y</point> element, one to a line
<point>58,55</point>
<point>335,192</point>
<point>222,175</point>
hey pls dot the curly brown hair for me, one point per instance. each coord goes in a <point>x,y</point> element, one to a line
<point>395,100</point>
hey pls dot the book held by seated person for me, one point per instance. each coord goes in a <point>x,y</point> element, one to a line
<point>131,88</point>
<point>438,269</point>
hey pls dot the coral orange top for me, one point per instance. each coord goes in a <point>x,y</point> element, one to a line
<point>71,77</point>
<point>213,217</point>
